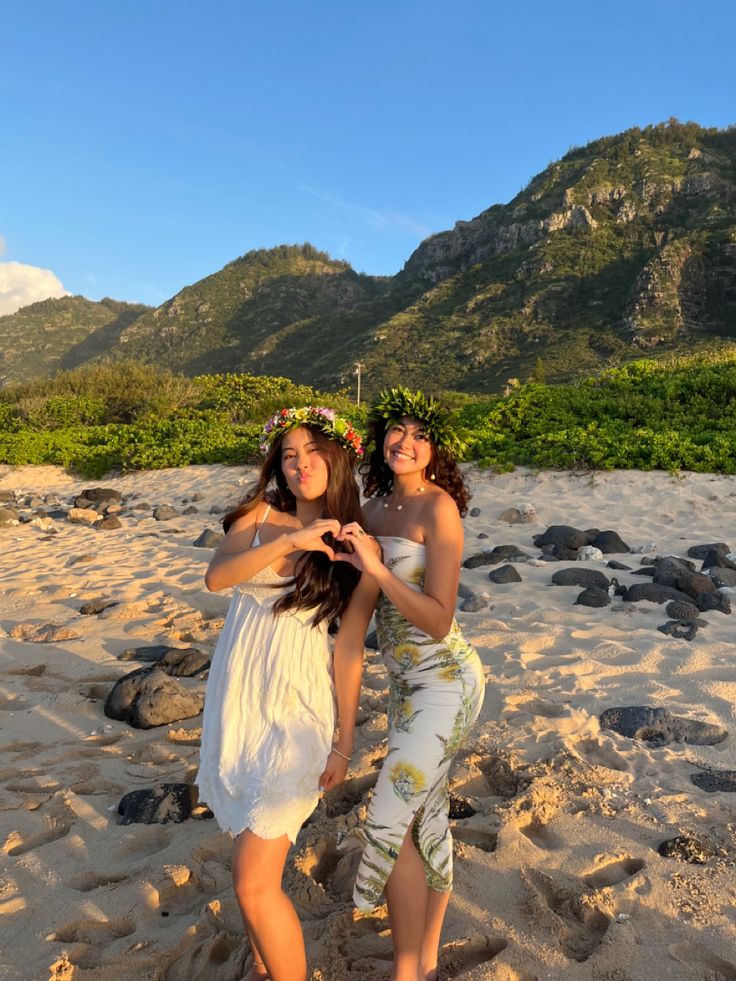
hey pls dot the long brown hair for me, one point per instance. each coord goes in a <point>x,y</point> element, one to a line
<point>378,478</point>
<point>318,583</point>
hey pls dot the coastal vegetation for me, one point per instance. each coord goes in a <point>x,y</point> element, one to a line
<point>677,414</point>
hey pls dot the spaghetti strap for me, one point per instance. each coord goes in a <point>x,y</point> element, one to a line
<point>261,524</point>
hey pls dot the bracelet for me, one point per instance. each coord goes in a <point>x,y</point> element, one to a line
<point>342,755</point>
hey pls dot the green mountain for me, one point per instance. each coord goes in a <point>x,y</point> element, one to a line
<point>58,334</point>
<point>289,311</point>
<point>624,246</point>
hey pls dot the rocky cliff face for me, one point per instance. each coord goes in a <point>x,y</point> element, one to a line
<point>624,245</point>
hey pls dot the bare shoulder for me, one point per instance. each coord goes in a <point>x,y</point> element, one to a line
<point>250,520</point>
<point>441,511</point>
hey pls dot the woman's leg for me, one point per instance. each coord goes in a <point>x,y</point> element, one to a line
<point>258,970</point>
<point>406,895</point>
<point>269,916</point>
<point>436,908</point>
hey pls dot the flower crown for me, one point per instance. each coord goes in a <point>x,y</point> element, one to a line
<point>395,403</point>
<point>326,420</point>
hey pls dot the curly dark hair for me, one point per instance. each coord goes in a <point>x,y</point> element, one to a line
<point>318,583</point>
<point>378,478</point>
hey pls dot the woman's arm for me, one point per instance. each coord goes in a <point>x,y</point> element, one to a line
<point>433,609</point>
<point>348,660</point>
<point>235,561</point>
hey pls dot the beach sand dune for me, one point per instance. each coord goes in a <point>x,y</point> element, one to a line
<point>557,821</point>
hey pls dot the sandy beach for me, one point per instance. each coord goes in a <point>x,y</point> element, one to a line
<point>556,864</point>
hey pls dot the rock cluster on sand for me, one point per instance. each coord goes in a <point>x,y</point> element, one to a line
<point>148,697</point>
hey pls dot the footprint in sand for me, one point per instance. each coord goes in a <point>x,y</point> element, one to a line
<point>476,838</point>
<point>560,906</point>
<point>57,823</point>
<point>143,841</point>
<point>212,949</point>
<point>599,752</point>
<point>502,779</point>
<point>96,932</point>
<point>709,965</point>
<point>539,834</point>
<point>88,881</point>
<point>612,873</point>
<point>461,956</point>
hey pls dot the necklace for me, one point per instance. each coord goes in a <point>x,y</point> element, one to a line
<point>400,507</point>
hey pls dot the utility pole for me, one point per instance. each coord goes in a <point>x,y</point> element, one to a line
<point>358,368</point>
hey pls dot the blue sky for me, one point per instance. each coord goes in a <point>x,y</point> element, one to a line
<point>146,144</point>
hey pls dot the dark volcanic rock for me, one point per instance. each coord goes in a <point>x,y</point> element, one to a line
<point>507,553</point>
<point>647,570</point>
<point>209,539</point>
<point>566,536</point>
<point>96,606</point>
<point>507,573</point>
<point>556,553</point>
<point>184,663</point>
<point>658,725</point>
<point>700,551</point>
<point>109,523</point>
<point>610,542</point>
<point>677,610</point>
<point>717,560</point>
<point>713,601</point>
<point>478,560</point>
<point>682,629</point>
<point>474,512</point>
<point>97,494</point>
<point>680,574</point>
<point>580,577</point>
<point>473,604</point>
<point>613,564</point>
<point>148,697</point>
<point>151,653</point>
<point>593,596</point>
<point>686,848</point>
<point>652,592</point>
<point>180,662</point>
<point>191,510</point>
<point>165,512</point>
<point>163,804</point>
<point>715,781</point>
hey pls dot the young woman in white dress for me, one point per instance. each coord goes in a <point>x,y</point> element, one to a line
<point>416,500</point>
<point>270,738</point>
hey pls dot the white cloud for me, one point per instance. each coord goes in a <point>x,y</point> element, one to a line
<point>3,245</point>
<point>21,285</point>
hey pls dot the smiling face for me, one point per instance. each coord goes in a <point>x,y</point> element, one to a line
<point>406,447</point>
<point>303,465</point>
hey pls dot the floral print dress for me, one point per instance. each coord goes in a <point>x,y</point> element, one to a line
<point>436,691</point>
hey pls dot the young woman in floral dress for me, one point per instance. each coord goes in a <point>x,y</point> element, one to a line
<point>416,500</point>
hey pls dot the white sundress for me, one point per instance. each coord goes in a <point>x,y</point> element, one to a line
<point>269,713</point>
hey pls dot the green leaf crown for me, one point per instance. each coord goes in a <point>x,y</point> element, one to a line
<point>394,403</point>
